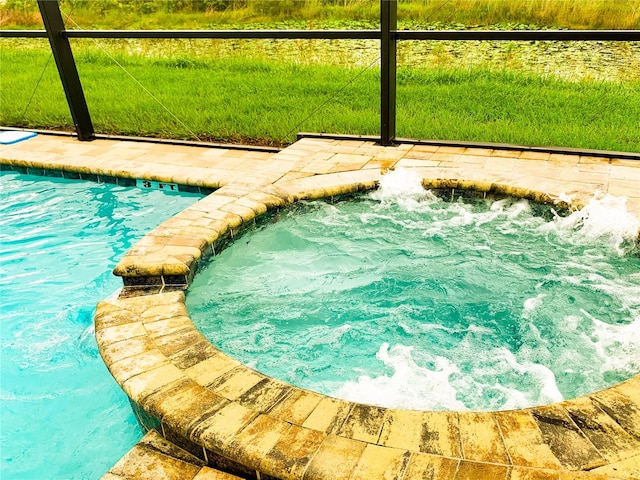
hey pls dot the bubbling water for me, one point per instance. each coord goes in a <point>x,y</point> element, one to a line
<point>404,300</point>
<point>604,220</point>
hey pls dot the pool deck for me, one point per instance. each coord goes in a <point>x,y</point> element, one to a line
<point>208,414</point>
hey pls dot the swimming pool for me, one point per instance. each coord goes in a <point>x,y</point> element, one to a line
<point>404,300</point>
<point>62,414</point>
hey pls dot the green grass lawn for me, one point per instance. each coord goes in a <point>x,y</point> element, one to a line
<point>235,99</point>
<point>508,107</point>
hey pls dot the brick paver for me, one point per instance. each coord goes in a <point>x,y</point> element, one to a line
<point>232,418</point>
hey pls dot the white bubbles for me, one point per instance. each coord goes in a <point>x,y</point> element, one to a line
<point>604,219</point>
<point>616,345</point>
<point>532,303</point>
<point>403,187</point>
<point>409,386</point>
<point>563,198</point>
<point>540,374</point>
<point>496,384</point>
<point>400,182</point>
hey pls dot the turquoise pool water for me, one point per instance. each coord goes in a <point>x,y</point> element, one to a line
<point>62,414</point>
<point>402,299</point>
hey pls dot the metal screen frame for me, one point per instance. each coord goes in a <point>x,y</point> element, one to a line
<point>387,34</point>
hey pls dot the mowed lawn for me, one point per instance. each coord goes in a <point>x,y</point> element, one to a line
<point>265,101</point>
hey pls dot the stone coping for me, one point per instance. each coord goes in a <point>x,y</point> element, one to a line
<point>155,458</point>
<point>241,421</point>
<point>238,420</point>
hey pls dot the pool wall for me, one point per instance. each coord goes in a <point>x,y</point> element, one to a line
<point>240,421</point>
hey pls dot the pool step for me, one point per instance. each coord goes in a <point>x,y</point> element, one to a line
<point>154,458</point>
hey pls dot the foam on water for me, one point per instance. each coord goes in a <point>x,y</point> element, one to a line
<point>604,219</point>
<point>404,187</point>
<point>411,386</point>
<point>531,304</point>
<point>617,345</point>
<point>402,299</point>
<point>408,386</point>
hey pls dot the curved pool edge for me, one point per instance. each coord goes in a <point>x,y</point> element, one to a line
<point>244,422</point>
<point>241,421</point>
